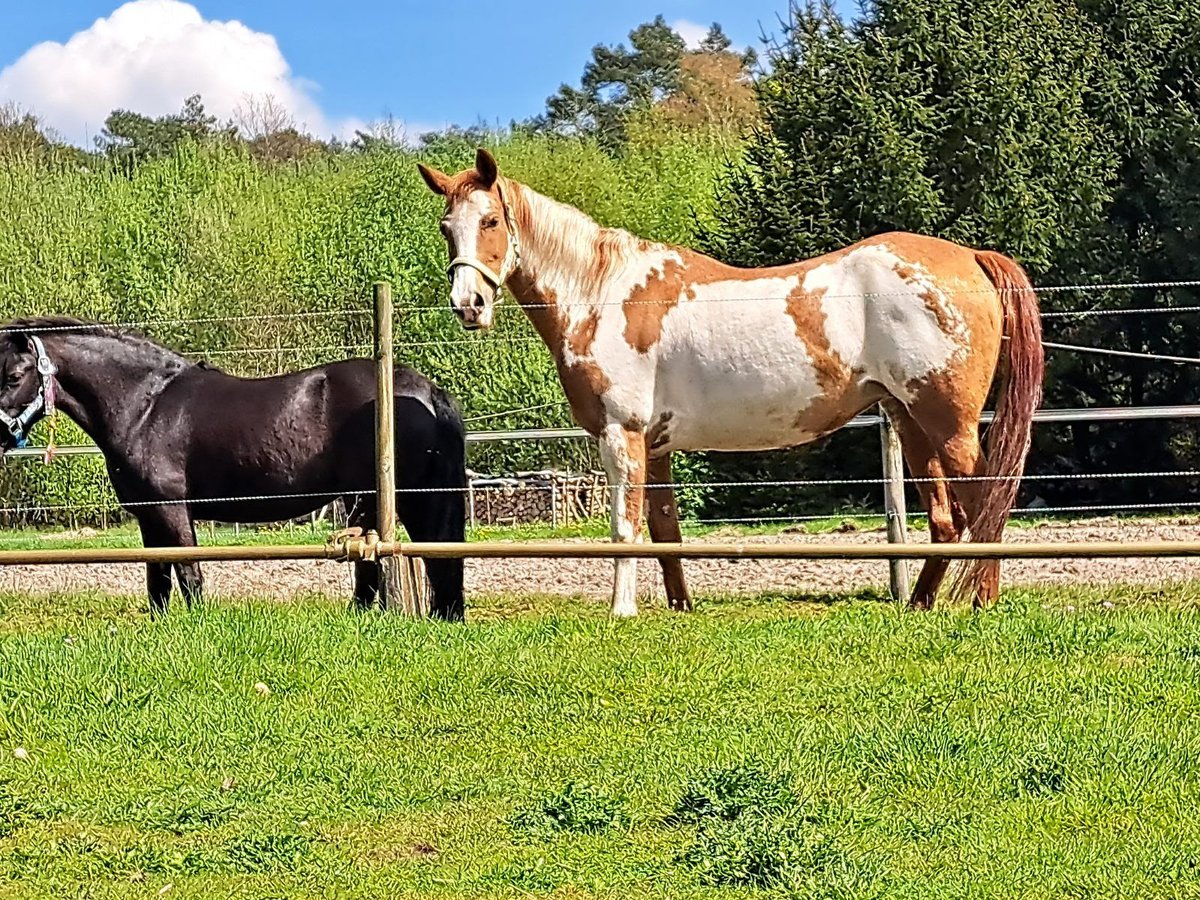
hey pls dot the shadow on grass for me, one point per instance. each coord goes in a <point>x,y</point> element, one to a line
<point>797,598</point>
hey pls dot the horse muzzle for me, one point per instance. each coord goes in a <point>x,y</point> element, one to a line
<point>476,315</point>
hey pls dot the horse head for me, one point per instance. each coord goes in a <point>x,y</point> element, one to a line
<point>481,234</point>
<point>27,386</point>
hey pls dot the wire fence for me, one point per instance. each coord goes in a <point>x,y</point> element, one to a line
<point>281,352</point>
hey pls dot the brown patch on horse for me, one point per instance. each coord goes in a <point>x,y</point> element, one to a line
<point>583,334</point>
<point>834,374</point>
<point>635,449</point>
<point>585,384</point>
<point>804,307</point>
<point>647,305</point>
<point>583,381</point>
<point>658,435</point>
<point>937,303</point>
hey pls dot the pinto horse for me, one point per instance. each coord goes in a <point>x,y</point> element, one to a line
<point>660,348</point>
<point>185,440</point>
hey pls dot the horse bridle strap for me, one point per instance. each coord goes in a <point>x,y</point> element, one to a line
<point>40,406</point>
<point>512,252</point>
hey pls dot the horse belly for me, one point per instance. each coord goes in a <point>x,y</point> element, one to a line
<point>707,405</point>
<point>733,373</point>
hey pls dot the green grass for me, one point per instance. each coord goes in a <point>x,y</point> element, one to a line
<point>758,748</point>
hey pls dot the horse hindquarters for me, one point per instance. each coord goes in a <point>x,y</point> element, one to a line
<point>431,498</point>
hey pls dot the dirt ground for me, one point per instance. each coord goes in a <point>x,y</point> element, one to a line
<point>592,578</point>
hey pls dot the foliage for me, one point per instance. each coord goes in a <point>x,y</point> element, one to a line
<point>777,852</point>
<point>702,88</point>
<point>130,138</point>
<point>211,231</point>
<point>728,793</point>
<point>1059,131</point>
<point>575,807</point>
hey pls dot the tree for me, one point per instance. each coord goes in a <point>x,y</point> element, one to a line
<point>616,82</point>
<point>715,89</point>
<point>22,135</point>
<point>24,138</point>
<point>271,134</point>
<point>1062,132</point>
<point>659,77</point>
<point>131,138</point>
<point>1148,98</point>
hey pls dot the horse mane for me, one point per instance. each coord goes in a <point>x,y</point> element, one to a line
<point>32,325</point>
<point>564,234</point>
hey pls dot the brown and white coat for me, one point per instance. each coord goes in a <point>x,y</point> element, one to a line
<point>660,348</point>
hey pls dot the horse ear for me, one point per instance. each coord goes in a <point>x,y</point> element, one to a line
<point>439,182</point>
<point>486,166</point>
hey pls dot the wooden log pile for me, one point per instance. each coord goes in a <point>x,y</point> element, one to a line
<point>549,496</point>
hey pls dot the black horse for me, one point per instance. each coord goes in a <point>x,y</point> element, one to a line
<point>184,440</point>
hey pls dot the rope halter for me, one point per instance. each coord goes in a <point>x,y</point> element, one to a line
<point>512,253</point>
<point>41,405</point>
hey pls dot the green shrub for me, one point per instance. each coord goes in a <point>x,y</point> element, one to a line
<point>728,793</point>
<point>575,807</point>
<point>210,233</point>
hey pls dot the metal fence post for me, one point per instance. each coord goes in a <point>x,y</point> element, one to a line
<point>893,503</point>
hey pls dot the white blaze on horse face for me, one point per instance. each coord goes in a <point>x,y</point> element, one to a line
<point>878,317</point>
<point>471,297</point>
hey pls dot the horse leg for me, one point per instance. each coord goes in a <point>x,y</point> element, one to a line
<point>366,585</point>
<point>624,454</point>
<point>164,526</point>
<point>366,574</point>
<point>663,517</point>
<point>438,516</point>
<point>158,586</point>
<point>956,438</point>
<point>191,579</point>
<point>945,517</point>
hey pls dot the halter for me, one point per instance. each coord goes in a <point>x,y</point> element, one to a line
<point>512,253</point>
<point>41,405</point>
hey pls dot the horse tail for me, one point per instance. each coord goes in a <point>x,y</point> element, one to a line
<point>1022,369</point>
<point>447,508</point>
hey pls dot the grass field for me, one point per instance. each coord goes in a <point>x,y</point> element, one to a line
<point>759,748</point>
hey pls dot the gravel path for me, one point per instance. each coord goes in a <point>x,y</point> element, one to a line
<point>592,578</point>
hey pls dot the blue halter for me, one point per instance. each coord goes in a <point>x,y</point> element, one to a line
<point>40,406</point>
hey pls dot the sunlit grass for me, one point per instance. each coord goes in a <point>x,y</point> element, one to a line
<point>1046,748</point>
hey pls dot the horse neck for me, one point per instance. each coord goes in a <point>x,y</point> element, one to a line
<point>567,258</point>
<point>106,382</point>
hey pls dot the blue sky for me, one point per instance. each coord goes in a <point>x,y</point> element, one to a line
<point>340,63</point>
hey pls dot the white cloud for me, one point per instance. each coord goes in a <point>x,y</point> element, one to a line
<point>691,33</point>
<point>150,55</point>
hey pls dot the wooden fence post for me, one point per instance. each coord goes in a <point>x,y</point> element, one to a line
<point>893,503</point>
<point>397,592</point>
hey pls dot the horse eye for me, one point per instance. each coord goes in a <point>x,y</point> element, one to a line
<point>444,228</point>
<point>491,223</point>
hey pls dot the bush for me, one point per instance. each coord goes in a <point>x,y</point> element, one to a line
<point>575,807</point>
<point>209,232</point>
<point>728,793</point>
